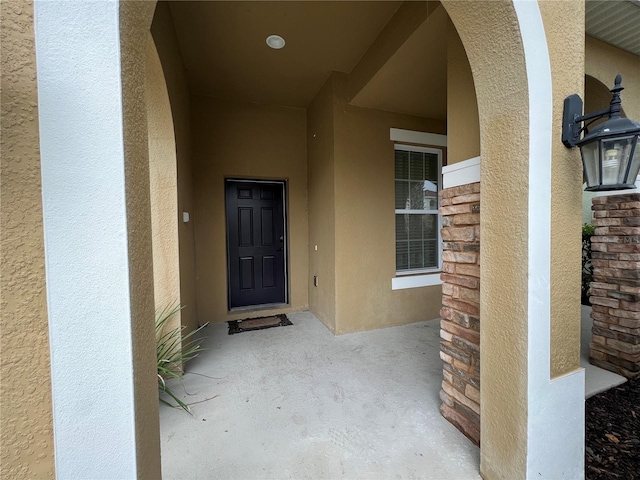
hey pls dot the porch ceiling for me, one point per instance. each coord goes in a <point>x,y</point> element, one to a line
<point>225,54</point>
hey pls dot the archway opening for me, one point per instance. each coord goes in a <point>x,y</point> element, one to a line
<point>501,101</point>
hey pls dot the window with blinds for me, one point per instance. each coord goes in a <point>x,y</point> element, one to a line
<point>418,181</point>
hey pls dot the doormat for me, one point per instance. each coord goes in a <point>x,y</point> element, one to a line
<point>239,326</point>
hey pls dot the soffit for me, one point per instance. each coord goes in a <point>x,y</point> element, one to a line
<point>225,54</point>
<point>615,22</point>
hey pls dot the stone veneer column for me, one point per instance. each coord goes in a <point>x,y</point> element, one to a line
<point>615,290</point>
<point>460,324</point>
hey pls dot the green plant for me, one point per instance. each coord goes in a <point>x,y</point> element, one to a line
<point>587,268</point>
<point>173,350</point>
<point>588,229</point>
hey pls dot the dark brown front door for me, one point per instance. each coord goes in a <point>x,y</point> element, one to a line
<point>255,243</point>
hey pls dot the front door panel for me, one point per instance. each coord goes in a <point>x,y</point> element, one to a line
<point>255,243</point>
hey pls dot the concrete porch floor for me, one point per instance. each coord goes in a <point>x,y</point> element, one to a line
<point>596,379</point>
<point>297,402</point>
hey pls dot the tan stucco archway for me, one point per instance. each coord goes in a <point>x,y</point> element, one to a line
<point>91,76</point>
<point>502,45</point>
<point>163,185</point>
<point>530,314</point>
<point>529,310</point>
<point>135,21</point>
<point>26,423</point>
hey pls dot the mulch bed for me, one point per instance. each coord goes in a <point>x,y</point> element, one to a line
<point>613,433</point>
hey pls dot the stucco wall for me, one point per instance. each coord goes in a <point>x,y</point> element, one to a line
<point>365,219</point>
<point>25,388</point>
<point>495,55</point>
<point>233,139</point>
<point>596,95</point>
<point>351,215</point>
<point>463,126</point>
<point>321,191</point>
<point>163,187</point>
<point>567,65</point>
<point>135,20</point>
<point>513,305</point>
<point>603,62</point>
<point>166,42</point>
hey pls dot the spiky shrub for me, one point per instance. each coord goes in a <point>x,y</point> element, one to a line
<point>173,350</point>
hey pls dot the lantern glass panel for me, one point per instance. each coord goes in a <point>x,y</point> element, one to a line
<point>591,162</point>
<point>635,161</point>
<point>615,159</point>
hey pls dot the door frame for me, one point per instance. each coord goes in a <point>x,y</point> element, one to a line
<point>283,185</point>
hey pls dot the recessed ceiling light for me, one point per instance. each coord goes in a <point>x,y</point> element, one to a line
<point>275,41</point>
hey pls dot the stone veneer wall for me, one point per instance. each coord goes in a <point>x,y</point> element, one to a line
<point>615,290</point>
<point>460,324</point>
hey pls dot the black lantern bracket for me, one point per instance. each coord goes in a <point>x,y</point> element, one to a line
<point>572,117</point>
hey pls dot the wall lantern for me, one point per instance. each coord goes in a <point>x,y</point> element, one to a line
<point>610,152</point>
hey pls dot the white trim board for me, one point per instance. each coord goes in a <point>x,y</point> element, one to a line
<point>415,281</point>
<point>85,237</point>
<point>421,138</point>
<point>461,173</point>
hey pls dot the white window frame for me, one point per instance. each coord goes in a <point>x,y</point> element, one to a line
<point>396,283</point>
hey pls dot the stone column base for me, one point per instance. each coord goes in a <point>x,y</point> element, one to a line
<point>615,290</point>
<point>460,324</point>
